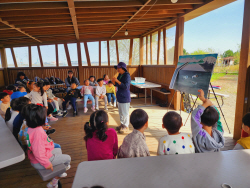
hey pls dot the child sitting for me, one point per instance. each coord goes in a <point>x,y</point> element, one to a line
<point>41,151</point>
<point>87,92</point>
<point>21,91</point>
<point>175,142</point>
<point>106,79</point>
<point>71,96</point>
<point>134,144</point>
<point>100,94</point>
<point>10,89</point>
<point>38,96</point>
<point>55,101</point>
<point>110,89</point>
<point>5,98</point>
<point>206,127</point>
<point>92,81</point>
<point>30,86</point>
<point>244,143</point>
<point>11,113</point>
<point>101,141</point>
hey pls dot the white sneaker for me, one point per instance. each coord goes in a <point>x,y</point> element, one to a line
<point>69,107</point>
<point>106,108</point>
<point>68,167</point>
<point>59,113</point>
<point>114,104</point>
<point>97,108</point>
<point>110,104</point>
<point>63,175</point>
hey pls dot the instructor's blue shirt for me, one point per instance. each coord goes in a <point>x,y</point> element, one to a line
<point>123,93</point>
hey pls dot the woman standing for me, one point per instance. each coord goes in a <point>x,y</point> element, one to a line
<point>123,96</point>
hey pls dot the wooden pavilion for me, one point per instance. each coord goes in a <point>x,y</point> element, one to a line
<point>39,23</point>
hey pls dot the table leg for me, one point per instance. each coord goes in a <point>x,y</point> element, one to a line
<point>145,96</point>
<point>151,97</point>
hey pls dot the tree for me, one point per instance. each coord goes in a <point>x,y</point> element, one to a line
<point>228,53</point>
<point>200,51</point>
<point>237,56</point>
<point>185,52</point>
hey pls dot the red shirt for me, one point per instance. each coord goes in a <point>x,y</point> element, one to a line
<point>99,150</point>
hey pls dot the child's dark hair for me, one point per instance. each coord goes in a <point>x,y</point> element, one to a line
<point>40,85</point>
<point>98,121</point>
<point>70,71</point>
<point>20,74</point>
<point>13,105</point>
<point>22,101</point>
<point>210,116</point>
<point>11,88</point>
<point>138,118</point>
<point>104,76</point>
<point>172,121</point>
<point>46,83</point>
<point>92,77</point>
<point>35,115</point>
<point>86,80</point>
<point>110,82</point>
<point>3,94</point>
<point>246,119</point>
<point>100,79</point>
<point>20,87</point>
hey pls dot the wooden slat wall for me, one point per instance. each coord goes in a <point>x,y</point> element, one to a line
<point>2,83</point>
<point>42,72</point>
<point>161,74</point>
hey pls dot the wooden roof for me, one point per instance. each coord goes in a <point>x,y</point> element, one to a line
<point>36,22</point>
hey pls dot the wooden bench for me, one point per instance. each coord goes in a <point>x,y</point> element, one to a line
<point>166,94</point>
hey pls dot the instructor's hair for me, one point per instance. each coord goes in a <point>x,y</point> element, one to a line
<point>98,122</point>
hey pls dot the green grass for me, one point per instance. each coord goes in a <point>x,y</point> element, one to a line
<point>216,76</point>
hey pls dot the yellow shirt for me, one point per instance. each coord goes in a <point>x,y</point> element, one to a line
<point>244,142</point>
<point>110,89</point>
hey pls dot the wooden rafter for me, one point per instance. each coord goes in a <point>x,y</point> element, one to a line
<point>73,17</point>
<point>13,56</point>
<point>117,51</point>
<point>141,51</point>
<point>146,50</point>
<point>131,51</point>
<point>159,47</point>
<point>57,56</point>
<point>151,50</point>
<point>165,46</point>
<point>87,53</point>
<point>30,56</point>
<point>67,54</point>
<point>40,55</point>
<point>100,55</point>
<point>18,29</point>
<point>131,18</point>
<point>108,52</point>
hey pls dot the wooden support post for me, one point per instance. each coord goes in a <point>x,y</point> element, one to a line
<point>179,38</point>
<point>159,47</point>
<point>141,51</point>
<point>80,68</point>
<point>57,56</point>
<point>131,51</point>
<point>100,53</point>
<point>242,78</point>
<point>108,53</point>
<point>117,51</point>
<point>5,66</point>
<point>151,47</point>
<point>40,55</point>
<point>13,56</point>
<point>165,46</point>
<point>30,56</point>
<point>87,53</point>
<point>147,47</point>
<point>67,54</point>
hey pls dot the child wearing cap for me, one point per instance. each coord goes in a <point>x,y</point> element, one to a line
<point>101,94</point>
<point>175,142</point>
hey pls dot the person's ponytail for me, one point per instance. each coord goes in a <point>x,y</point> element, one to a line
<point>7,115</point>
<point>101,133</point>
<point>88,131</point>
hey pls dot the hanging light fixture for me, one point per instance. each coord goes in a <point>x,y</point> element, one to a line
<point>126,32</point>
<point>174,1</point>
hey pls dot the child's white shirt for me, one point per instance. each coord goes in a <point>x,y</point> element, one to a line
<point>101,90</point>
<point>36,97</point>
<point>176,144</point>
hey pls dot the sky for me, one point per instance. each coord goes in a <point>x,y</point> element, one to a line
<point>220,29</point>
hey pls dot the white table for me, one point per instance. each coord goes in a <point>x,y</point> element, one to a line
<point>10,151</point>
<point>147,85</point>
<point>201,170</point>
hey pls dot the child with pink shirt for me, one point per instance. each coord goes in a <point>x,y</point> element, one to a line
<point>87,92</point>
<point>101,141</point>
<point>41,151</point>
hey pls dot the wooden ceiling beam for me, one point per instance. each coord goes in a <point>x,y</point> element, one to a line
<point>18,29</point>
<point>25,22</point>
<point>40,17</point>
<point>73,17</point>
<point>33,12</point>
<point>131,18</point>
<point>36,5</point>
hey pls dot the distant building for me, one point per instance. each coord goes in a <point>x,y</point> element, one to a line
<point>227,61</point>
